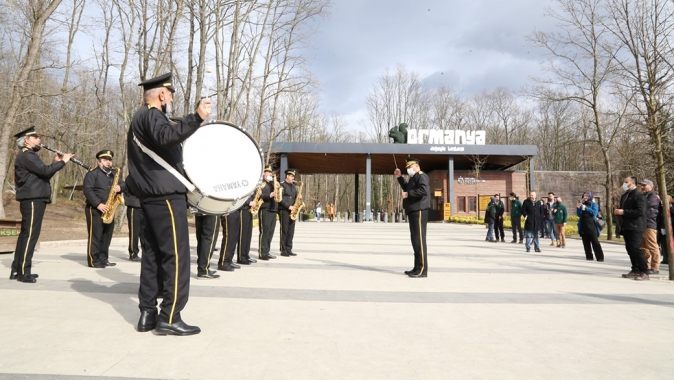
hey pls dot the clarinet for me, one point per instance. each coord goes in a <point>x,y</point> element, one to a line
<point>73,159</point>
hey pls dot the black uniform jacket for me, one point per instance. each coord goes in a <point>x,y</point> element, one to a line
<point>130,200</point>
<point>97,186</point>
<point>163,136</point>
<point>533,211</point>
<point>418,192</point>
<point>634,217</point>
<point>32,176</point>
<point>269,203</point>
<point>246,205</point>
<point>289,195</point>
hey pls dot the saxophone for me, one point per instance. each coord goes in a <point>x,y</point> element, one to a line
<point>278,190</point>
<point>298,205</point>
<point>258,202</point>
<point>114,200</point>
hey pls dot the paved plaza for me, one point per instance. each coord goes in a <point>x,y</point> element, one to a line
<point>343,309</point>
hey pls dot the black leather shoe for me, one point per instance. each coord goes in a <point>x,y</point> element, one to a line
<point>410,271</point>
<point>15,275</point>
<point>291,253</point>
<point>109,264</point>
<point>235,266</point>
<point>418,275</point>
<point>651,271</point>
<point>134,258</point>
<point>27,278</point>
<point>265,258</point>
<point>212,271</point>
<point>285,255</point>
<point>207,276</point>
<point>177,328</point>
<point>514,241</point>
<point>97,266</point>
<point>227,267</point>
<point>147,321</point>
<point>252,261</point>
<point>272,256</point>
<point>243,262</point>
<point>537,250</point>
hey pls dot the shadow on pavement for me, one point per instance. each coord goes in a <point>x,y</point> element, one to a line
<point>120,294</point>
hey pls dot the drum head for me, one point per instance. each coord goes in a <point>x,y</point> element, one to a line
<point>223,161</point>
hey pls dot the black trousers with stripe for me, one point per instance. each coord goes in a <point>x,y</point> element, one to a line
<point>231,227</point>
<point>166,257</point>
<point>100,236</point>
<point>136,221</point>
<point>246,234</point>
<point>237,230</point>
<point>287,231</point>
<point>32,213</point>
<point>208,228</point>
<point>267,225</point>
<point>417,221</point>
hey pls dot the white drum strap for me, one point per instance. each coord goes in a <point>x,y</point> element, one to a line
<point>164,164</point>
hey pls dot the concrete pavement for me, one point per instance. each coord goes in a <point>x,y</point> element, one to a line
<point>342,309</point>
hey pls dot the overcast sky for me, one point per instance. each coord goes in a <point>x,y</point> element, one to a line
<point>470,45</point>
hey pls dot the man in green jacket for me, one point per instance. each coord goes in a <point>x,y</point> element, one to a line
<point>515,217</point>
<point>561,217</point>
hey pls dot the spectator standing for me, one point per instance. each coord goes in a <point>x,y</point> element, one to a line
<point>490,219</point>
<point>632,208</point>
<point>649,243</point>
<point>318,211</point>
<point>516,217</point>
<point>561,217</point>
<point>588,229</point>
<point>550,219</point>
<point>533,220</point>
<point>499,210</point>
<point>544,226</point>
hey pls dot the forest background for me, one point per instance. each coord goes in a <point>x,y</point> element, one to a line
<point>603,102</point>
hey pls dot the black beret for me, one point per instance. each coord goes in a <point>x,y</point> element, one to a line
<point>158,82</point>
<point>27,132</point>
<point>105,153</point>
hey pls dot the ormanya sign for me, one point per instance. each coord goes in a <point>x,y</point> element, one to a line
<point>448,137</point>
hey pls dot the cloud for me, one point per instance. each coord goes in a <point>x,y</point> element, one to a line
<point>467,45</point>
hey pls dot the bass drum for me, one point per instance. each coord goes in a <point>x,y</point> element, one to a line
<point>225,164</point>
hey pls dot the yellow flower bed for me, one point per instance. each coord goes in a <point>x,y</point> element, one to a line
<point>571,225</point>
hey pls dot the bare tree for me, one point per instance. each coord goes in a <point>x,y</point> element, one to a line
<point>645,29</point>
<point>39,11</point>
<point>582,61</point>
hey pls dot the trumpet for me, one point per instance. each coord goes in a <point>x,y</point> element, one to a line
<point>73,159</point>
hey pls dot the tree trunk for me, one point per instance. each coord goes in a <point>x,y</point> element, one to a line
<point>32,53</point>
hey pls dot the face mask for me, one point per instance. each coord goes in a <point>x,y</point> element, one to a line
<point>410,172</point>
<point>626,187</point>
<point>268,178</point>
<point>167,109</point>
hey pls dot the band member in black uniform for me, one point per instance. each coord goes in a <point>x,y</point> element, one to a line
<point>163,200</point>
<point>285,207</point>
<point>96,189</point>
<point>136,222</point>
<point>237,230</point>
<point>33,192</point>
<point>208,227</point>
<point>416,202</point>
<point>267,216</point>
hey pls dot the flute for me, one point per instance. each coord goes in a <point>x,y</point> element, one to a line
<point>73,159</point>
